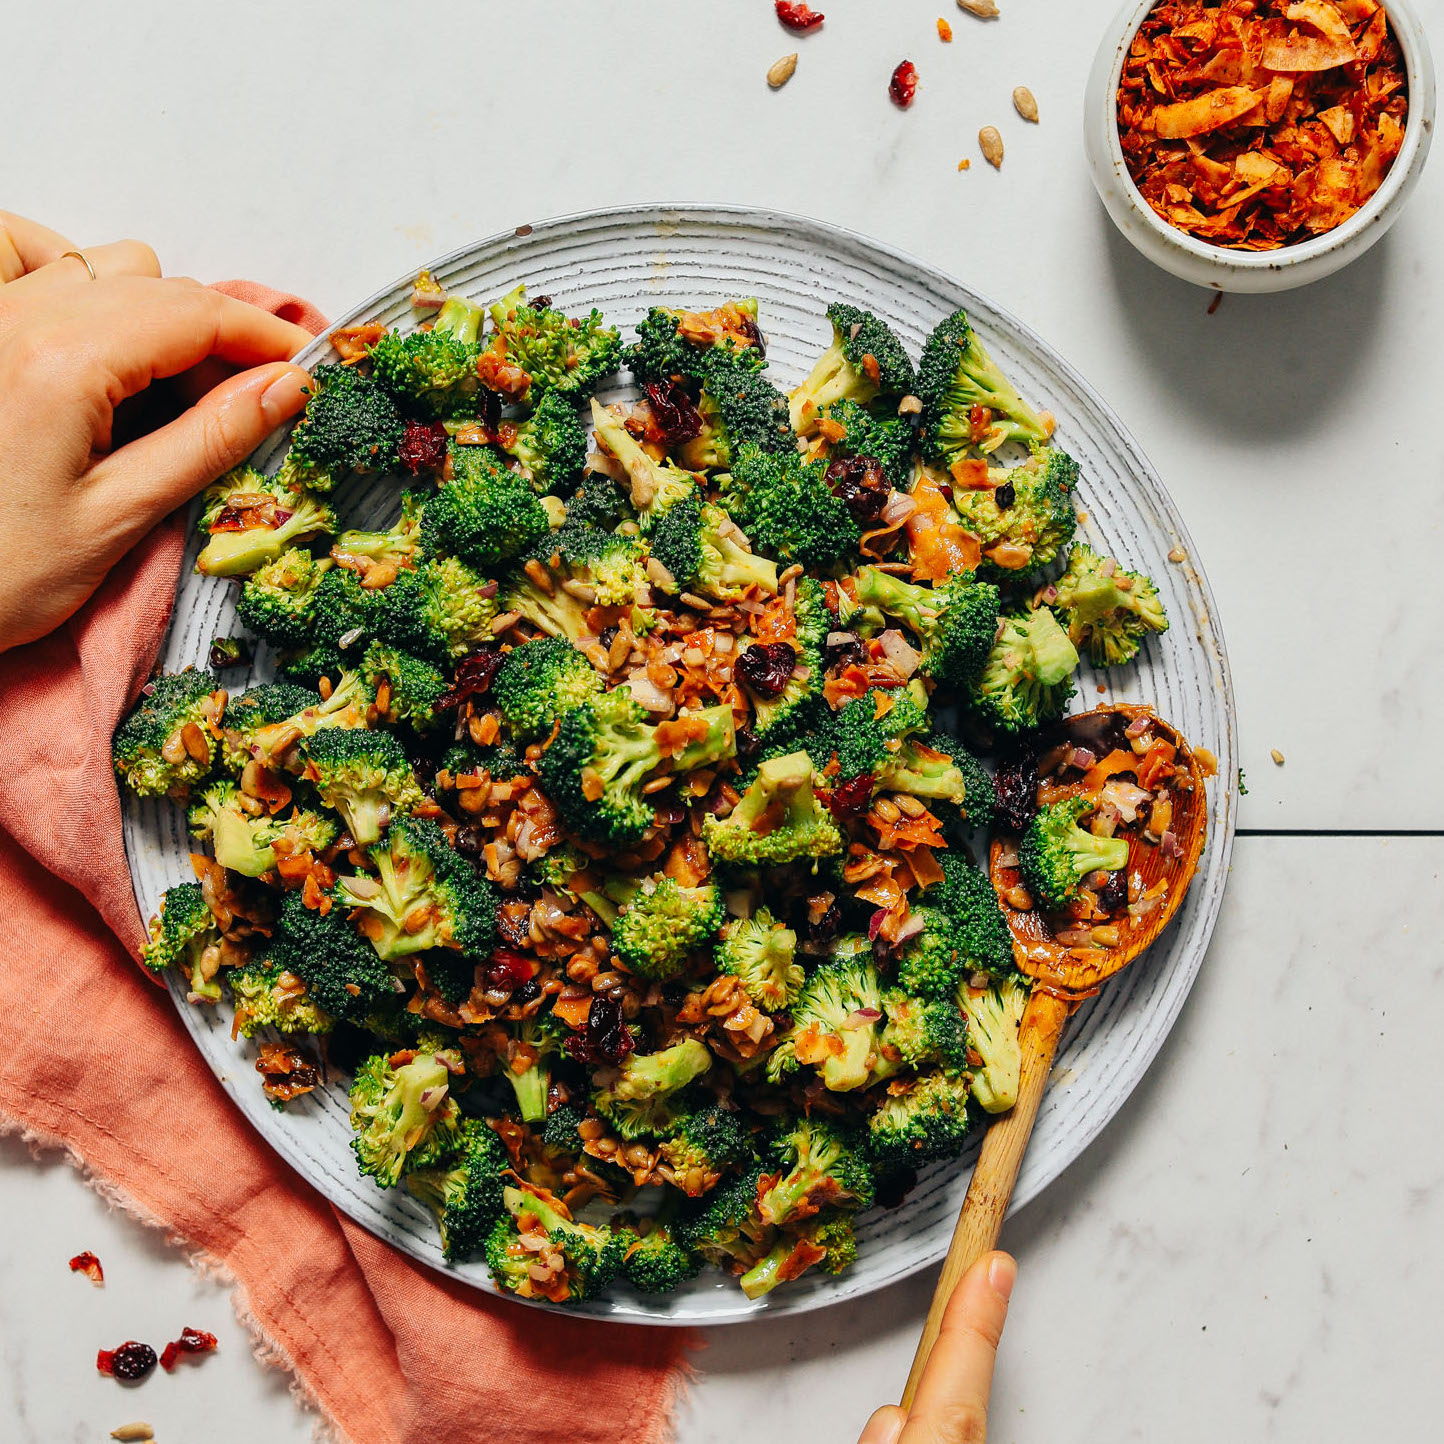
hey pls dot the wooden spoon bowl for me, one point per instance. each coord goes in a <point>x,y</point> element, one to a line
<point>1065,973</point>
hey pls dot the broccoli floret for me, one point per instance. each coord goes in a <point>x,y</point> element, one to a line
<point>788,510</point>
<point>424,895</point>
<point>925,1032</point>
<point>954,622</point>
<point>695,542</point>
<point>435,368</point>
<point>251,519</point>
<point>778,820</point>
<point>821,1165</point>
<point>269,996</point>
<point>956,374</point>
<point>1056,854</point>
<point>761,953</point>
<point>550,445</point>
<point>485,514</point>
<point>656,486</point>
<point>541,1037</point>
<point>930,1120</point>
<point>557,612</point>
<point>663,923</point>
<point>268,721</point>
<point>980,931</point>
<point>184,935</point>
<point>1026,521</point>
<point>888,440</point>
<point>250,843</point>
<point>440,611</point>
<point>931,960</point>
<point>278,601</point>
<point>866,363</point>
<point>540,682</point>
<point>591,1254</point>
<point>351,424</point>
<point>598,501</point>
<point>642,1101</point>
<point>738,407</point>
<point>466,1193</point>
<point>869,731</point>
<point>674,345</point>
<point>338,966</point>
<point>940,768</point>
<point>826,1241</point>
<point>655,1262</point>
<point>726,1227</point>
<point>500,761</point>
<point>364,775</point>
<point>377,556</point>
<point>558,354</point>
<point>346,616</point>
<point>167,744</point>
<point>612,565</point>
<point>1027,679</point>
<point>994,1014</point>
<point>604,754</point>
<point>792,712</point>
<point>402,1117</point>
<point>1108,610</point>
<point>706,1141</point>
<point>409,687</point>
<point>841,1003</point>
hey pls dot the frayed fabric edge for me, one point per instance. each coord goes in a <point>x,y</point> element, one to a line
<point>266,1351</point>
<point>662,1427</point>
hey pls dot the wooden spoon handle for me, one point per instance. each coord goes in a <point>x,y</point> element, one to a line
<point>981,1219</point>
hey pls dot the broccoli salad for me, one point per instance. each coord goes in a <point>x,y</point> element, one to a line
<point>608,820</point>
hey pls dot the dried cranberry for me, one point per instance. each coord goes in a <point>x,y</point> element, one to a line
<point>489,408</point>
<point>1005,496</point>
<point>749,328</point>
<point>423,446</point>
<point>131,1361</point>
<point>847,649</point>
<point>231,652</point>
<point>766,667</point>
<point>672,409</point>
<point>828,925</point>
<point>1016,785</point>
<point>1113,895</point>
<point>506,969</point>
<point>540,303</point>
<point>850,798</point>
<point>470,841</point>
<point>904,84</point>
<point>86,1263</point>
<point>191,1341</point>
<point>859,484</point>
<point>607,637</point>
<point>798,17</point>
<point>895,1186</point>
<point>528,990</point>
<point>473,676</point>
<point>749,744</point>
<point>606,1039</point>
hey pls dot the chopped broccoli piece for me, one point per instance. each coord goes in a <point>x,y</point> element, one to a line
<point>465,1194</point>
<point>557,353</point>
<point>1025,522</point>
<point>663,923</point>
<point>184,935</point>
<point>931,960</point>
<point>439,611</point>
<point>598,501</point>
<point>869,731</point>
<point>351,424</point>
<point>725,1227</point>
<point>424,895</point>
<point>1027,679</point>
<point>656,486</point>
<point>738,407</point>
<point>981,933</point>
<point>655,1262</point>
<point>435,368</point>
<point>377,556</point>
<point>840,1003</point>
<point>1108,610</point>
<point>788,510</point>
<point>1056,854</point>
<point>485,514</point>
<point>866,363</point>
<point>930,1120</point>
<point>250,843</point>
<point>761,953</point>
<point>706,1141</point>
<point>541,1037</point>
<point>925,1032</point>
<point>888,440</point>
<point>642,1101</point>
<point>410,686</point>
<point>826,1240</point>
<point>954,622</point>
<point>364,775</point>
<point>550,445</point>
<point>697,544</point>
<point>339,967</point>
<point>267,722</point>
<point>778,820</point>
<point>674,345</point>
<point>994,1014</point>
<point>612,565</point>
<point>269,996</point>
<point>821,1165</point>
<point>278,601</point>
<point>539,683</point>
<point>402,1117</point>
<point>956,374</point>
<point>604,754</point>
<point>591,1255</point>
<point>167,743</point>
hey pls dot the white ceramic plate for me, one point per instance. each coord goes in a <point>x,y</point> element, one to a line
<point>625,261</point>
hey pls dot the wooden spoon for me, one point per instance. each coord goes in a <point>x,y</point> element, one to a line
<point>1063,977</point>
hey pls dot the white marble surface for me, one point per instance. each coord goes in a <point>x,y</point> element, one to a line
<point>1250,1250</point>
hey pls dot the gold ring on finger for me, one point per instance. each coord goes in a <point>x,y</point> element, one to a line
<point>83,259</point>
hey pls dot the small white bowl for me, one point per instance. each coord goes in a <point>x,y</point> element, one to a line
<point>1220,267</point>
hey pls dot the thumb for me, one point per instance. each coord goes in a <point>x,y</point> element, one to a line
<point>156,473</point>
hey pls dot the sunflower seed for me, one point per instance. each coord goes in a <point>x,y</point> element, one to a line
<point>781,72</point>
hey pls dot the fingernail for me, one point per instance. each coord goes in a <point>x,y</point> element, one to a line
<point>285,396</point>
<point>884,1427</point>
<point>1002,1275</point>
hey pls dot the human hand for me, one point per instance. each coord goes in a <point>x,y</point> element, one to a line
<point>952,1400</point>
<point>73,499</point>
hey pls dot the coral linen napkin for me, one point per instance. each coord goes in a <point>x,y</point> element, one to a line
<point>97,1063</point>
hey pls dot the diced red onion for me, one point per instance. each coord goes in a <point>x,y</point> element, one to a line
<point>424,298</point>
<point>898,508</point>
<point>487,589</point>
<point>1082,758</point>
<point>1137,727</point>
<point>912,927</point>
<point>895,648</point>
<point>1170,845</point>
<point>862,1017</point>
<point>875,922</point>
<point>1008,857</point>
<point>647,693</point>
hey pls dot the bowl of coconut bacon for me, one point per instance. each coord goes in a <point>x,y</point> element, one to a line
<point>1257,145</point>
